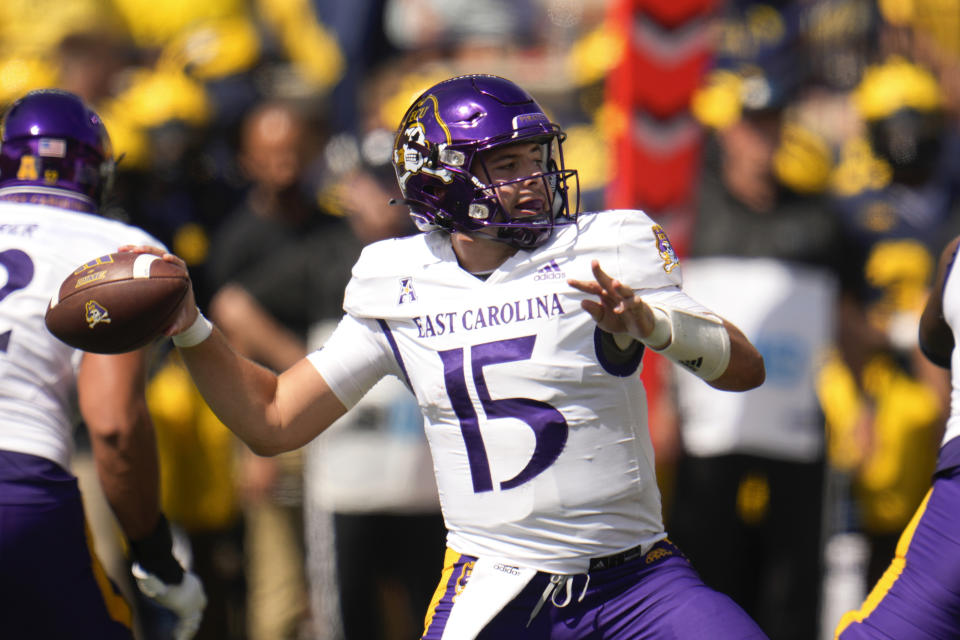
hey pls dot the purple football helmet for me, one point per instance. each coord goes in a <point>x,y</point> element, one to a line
<point>442,134</point>
<point>52,143</point>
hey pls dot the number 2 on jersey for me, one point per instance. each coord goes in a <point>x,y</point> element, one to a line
<point>19,269</point>
<point>549,426</point>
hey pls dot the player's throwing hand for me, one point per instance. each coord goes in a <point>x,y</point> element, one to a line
<point>188,312</point>
<point>619,309</point>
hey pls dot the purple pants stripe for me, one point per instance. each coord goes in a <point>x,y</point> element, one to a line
<point>51,584</point>
<point>657,596</point>
<point>918,596</point>
<point>456,571</point>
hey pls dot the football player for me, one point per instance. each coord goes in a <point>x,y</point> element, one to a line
<point>56,164</point>
<point>521,328</point>
<point>918,596</point>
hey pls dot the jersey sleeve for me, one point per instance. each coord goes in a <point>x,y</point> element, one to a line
<point>677,299</point>
<point>354,358</point>
<point>645,259</point>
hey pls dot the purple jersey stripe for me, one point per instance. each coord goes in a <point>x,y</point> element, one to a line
<point>628,366</point>
<point>396,350</point>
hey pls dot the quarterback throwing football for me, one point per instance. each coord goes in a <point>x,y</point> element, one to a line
<point>520,327</point>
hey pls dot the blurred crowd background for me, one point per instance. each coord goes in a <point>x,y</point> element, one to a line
<point>802,156</point>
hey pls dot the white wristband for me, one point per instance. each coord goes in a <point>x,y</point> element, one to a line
<point>698,342</point>
<point>196,333</point>
<point>662,332</point>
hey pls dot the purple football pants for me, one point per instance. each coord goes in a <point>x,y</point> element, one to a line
<point>656,596</point>
<point>918,597</point>
<point>51,583</point>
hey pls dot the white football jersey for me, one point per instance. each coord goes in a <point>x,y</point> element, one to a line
<point>951,313</point>
<point>540,445</point>
<point>39,247</point>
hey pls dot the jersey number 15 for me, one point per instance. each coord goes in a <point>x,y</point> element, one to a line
<point>549,426</point>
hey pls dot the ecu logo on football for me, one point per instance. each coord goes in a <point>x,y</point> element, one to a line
<point>95,313</point>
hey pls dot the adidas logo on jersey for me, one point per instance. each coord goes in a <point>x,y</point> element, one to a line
<point>693,365</point>
<point>549,271</point>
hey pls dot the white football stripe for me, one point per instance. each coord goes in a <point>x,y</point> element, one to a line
<point>141,266</point>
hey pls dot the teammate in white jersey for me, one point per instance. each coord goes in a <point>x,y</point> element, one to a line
<point>918,597</point>
<point>524,355</point>
<point>55,164</point>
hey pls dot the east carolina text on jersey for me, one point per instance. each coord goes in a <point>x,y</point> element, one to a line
<point>516,311</point>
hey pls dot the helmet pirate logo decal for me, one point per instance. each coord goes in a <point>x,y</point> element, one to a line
<point>414,152</point>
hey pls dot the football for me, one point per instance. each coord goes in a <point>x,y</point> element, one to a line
<point>117,303</point>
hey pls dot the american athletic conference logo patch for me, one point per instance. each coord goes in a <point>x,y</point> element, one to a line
<point>665,249</point>
<point>407,294</point>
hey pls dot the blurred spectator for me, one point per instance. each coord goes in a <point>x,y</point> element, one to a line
<point>308,46</point>
<point>895,190</point>
<point>89,63</point>
<point>369,480</point>
<point>767,252</point>
<point>750,481</point>
<point>280,251</point>
<point>926,32</point>
<point>839,40</point>
<point>358,28</point>
<point>459,26</point>
<point>174,110</point>
<point>30,33</point>
<point>275,232</point>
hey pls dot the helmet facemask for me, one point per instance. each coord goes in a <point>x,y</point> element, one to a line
<point>525,231</point>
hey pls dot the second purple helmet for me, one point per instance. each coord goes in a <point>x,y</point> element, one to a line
<point>441,135</point>
<point>51,143</point>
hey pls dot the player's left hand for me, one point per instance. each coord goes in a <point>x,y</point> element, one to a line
<point>619,310</point>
